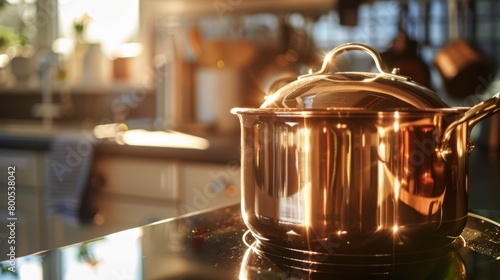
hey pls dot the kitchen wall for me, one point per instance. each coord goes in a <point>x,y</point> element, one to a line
<point>425,22</point>
<point>167,56</point>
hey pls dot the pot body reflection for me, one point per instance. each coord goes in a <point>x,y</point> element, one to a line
<point>354,182</point>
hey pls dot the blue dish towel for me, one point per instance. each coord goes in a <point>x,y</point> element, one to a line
<point>70,164</point>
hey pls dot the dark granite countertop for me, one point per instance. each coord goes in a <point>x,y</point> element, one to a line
<point>215,244</point>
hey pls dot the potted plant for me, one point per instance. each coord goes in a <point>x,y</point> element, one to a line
<point>7,39</point>
<point>23,64</point>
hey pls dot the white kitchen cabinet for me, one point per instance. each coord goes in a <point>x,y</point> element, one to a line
<point>208,185</point>
<point>188,186</point>
<point>134,192</point>
<point>139,177</point>
<point>29,176</point>
<point>114,214</point>
<point>30,167</point>
<point>138,191</point>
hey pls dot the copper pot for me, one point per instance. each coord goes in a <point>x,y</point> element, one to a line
<point>356,163</point>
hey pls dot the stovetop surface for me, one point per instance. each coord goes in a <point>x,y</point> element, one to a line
<point>215,244</point>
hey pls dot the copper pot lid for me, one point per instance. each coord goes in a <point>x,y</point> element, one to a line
<point>383,91</point>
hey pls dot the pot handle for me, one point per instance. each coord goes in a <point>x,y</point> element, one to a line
<point>475,114</point>
<point>327,61</point>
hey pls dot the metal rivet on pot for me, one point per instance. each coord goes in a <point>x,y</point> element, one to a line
<point>470,146</point>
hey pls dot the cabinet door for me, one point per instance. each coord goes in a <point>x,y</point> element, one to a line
<point>28,180</point>
<point>30,167</point>
<point>138,177</point>
<point>134,192</point>
<point>114,214</point>
<point>27,231</point>
<point>205,185</point>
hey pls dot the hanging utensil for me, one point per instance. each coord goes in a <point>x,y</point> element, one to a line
<point>348,12</point>
<point>404,53</point>
<point>463,68</point>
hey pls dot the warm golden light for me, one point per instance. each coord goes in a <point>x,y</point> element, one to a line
<point>4,60</point>
<point>220,63</point>
<point>307,192</point>
<point>396,122</point>
<point>396,126</point>
<point>395,228</point>
<point>64,46</point>
<point>168,139</point>
<point>397,187</point>
<point>129,50</point>
<point>109,130</point>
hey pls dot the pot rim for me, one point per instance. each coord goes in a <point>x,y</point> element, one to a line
<point>345,111</point>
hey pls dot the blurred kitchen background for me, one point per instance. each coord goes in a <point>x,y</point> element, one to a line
<point>178,67</point>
